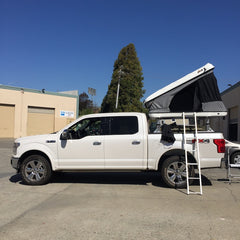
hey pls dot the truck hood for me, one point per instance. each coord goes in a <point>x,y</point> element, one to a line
<point>39,138</point>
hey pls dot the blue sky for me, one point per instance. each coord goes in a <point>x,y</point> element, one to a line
<point>64,45</point>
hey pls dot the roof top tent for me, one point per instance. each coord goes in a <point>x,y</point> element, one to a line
<point>196,92</point>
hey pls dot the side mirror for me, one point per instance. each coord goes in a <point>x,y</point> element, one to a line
<point>64,135</point>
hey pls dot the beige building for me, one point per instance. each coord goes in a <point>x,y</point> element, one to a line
<point>231,99</point>
<point>230,125</point>
<point>25,112</point>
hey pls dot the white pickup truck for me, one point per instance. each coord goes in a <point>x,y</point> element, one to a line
<point>116,142</point>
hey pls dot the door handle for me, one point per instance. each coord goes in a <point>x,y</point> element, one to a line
<point>97,143</point>
<point>136,142</point>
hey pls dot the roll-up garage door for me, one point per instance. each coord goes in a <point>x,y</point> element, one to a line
<point>7,116</point>
<point>40,120</point>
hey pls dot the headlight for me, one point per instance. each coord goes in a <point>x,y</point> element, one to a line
<point>15,146</point>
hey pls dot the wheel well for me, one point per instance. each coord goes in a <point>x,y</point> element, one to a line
<point>235,152</point>
<point>33,152</point>
<point>176,152</point>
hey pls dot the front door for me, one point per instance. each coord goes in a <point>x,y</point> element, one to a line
<point>84,148</point>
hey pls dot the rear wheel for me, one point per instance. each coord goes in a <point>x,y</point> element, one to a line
<point>235,158</point>
<point>36,170</point>
<point>173,172</point>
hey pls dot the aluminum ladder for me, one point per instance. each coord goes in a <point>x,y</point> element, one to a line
<point>194,151</point>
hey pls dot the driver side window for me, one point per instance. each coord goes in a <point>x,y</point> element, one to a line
<point>85,127</point>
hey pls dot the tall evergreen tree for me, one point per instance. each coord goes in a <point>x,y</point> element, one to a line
<point>128,71</point>
<point>84,102</point>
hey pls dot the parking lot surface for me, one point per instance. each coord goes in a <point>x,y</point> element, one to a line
<point>115,206</point>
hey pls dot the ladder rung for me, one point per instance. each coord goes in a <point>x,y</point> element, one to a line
<point>194,178</point>
<point>234,165</point>
<point>195,193</point>
<point>192,164</point>
<point>234,176</point>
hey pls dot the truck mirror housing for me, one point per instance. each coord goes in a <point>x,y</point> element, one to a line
<point>64,135</point>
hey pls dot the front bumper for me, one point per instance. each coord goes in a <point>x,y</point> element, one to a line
<point>15,163</point>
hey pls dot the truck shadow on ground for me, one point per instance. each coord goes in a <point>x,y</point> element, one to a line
<point>115,178</point>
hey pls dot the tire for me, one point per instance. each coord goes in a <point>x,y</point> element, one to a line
<point>35,170</point>
<point>173,172</point>
<point>235,158</point>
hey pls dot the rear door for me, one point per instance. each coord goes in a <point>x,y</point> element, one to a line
<point>124,145</point>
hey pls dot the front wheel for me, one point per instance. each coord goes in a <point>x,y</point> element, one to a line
<point>173,172</point>
<point>35,170</point>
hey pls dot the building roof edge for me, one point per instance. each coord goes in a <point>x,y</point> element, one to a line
<point>43,91</point>
<point>231,88</point>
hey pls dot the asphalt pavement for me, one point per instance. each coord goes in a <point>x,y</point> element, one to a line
<point>115,206</point>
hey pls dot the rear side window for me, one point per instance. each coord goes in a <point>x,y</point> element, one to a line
<point>123,125</point>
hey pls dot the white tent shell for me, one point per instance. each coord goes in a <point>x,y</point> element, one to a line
<point>195,92</point>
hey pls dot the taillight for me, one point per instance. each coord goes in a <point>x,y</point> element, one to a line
<point>220,145</point>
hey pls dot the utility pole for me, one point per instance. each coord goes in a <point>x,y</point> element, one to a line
<point>92,92</point>
<point>120,73</point>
